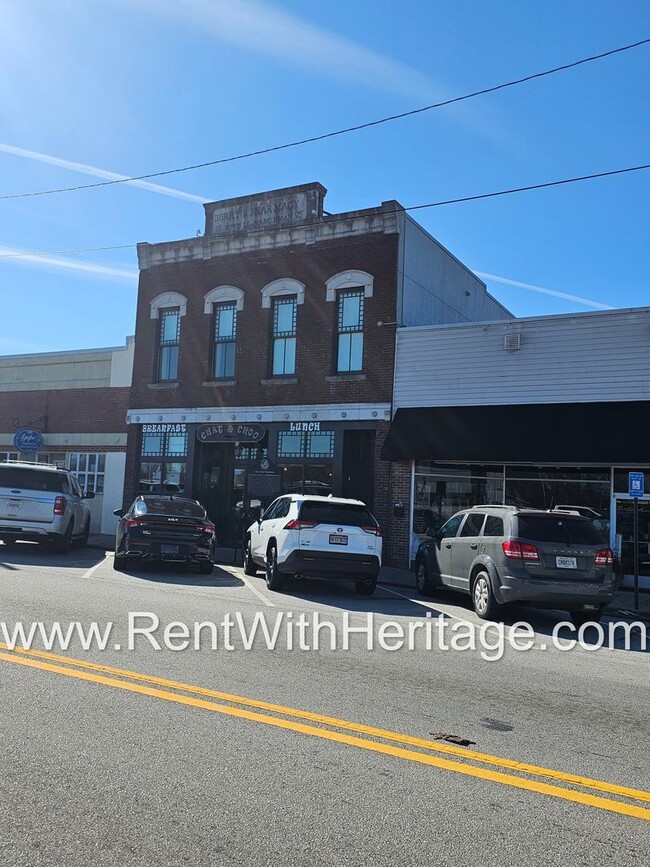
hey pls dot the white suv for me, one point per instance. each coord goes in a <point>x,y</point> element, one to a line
<point>42,503</point>
<point>311,536</point>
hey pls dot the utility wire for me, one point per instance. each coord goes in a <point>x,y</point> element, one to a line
<point>335,133</point>
<point>400,210</point>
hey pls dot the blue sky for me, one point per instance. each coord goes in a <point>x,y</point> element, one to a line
<point>133,86</point>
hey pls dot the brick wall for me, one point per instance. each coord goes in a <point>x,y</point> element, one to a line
<point>83,410</point>
<point>316,327</point>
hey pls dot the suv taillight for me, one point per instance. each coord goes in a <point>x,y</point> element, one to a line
<point>520,551</point>
<point>604,557</point>
<point>374,531</point>
<point>132,522</point>
<point>59,505</point>
<point>297,524</point>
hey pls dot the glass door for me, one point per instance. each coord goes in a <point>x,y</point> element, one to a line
<point>624,538</point>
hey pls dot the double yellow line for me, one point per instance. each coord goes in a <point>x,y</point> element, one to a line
<point>521,775</point>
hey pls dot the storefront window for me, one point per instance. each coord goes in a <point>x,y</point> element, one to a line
<point>158,477</point>
<point>162,442</point>
<point>320,445</point>
<point>441,491</point>
<point>290,445</point>
<point>549,487</point>
<point>306,479</point>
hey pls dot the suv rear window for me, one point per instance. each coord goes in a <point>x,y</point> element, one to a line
<point>31,480</point>
<point>337,513</point>
<point>162,506</point>
<point>565,530</point>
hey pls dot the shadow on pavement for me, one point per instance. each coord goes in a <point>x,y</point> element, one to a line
<point>173,573</point>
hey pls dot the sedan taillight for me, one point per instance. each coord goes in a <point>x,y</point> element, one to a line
<point>59,505</point>
<point>604,557</point>
<point>520,551</point>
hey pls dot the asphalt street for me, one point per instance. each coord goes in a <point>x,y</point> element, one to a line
<point>330,756</point>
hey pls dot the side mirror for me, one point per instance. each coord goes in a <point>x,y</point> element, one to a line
<point>89,495</point>
<point>119,513</point>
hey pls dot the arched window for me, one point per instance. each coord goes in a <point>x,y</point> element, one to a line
<point>350,289</point>
<point>169,308</point>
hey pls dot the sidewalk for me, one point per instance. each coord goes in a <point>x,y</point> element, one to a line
<point>622,606</point>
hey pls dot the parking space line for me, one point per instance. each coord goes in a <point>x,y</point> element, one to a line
<point>89,572</point>
<point>251,586</point>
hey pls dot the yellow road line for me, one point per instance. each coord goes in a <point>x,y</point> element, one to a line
<point>359,728</point>
<point>584,798</point>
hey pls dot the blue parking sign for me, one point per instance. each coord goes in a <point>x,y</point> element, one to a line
<point>637,485</point>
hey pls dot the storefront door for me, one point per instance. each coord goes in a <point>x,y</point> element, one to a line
<point>624,538</point>
<point>219,487</point>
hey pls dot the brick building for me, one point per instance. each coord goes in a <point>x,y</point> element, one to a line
<point>78,400</point>
<point>265,348</point>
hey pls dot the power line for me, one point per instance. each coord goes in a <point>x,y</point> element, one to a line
<point>400,210</point>
<point>335,133</point>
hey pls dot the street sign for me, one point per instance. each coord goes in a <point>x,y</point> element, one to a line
<point>637,485</point>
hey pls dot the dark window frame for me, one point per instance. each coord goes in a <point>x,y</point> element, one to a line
<point>168,361</point>
<point>284,338</point>
<point>342,331</point>
<point>226,342</point>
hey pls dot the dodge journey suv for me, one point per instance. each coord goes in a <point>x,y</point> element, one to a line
<point>41,503</point>
<point>504,554</point>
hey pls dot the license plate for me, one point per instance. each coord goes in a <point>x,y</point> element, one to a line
<point>566,563</point>
<point>169,549</point>
<point>335,539</point>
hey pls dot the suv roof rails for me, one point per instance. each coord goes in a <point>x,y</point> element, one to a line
<point>34,464</point>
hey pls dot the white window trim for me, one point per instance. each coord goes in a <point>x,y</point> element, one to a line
<point>223,293</point>
<point>168,299</point>
<point>284,286</point>
<point>350,280</point>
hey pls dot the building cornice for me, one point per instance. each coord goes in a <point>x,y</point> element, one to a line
<point>382,220</point>
<point>315,412</point>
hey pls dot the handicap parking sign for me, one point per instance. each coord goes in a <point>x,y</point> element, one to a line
<point>637,486</point>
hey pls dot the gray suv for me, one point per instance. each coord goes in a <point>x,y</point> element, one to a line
<point>41,503</point>
<point>504,554</point>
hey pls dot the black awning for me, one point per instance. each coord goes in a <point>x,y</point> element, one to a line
<point>569,433</point>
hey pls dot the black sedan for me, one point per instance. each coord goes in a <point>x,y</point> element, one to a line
<point>164,528</point>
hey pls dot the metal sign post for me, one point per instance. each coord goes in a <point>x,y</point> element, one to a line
<point>637,489</point>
